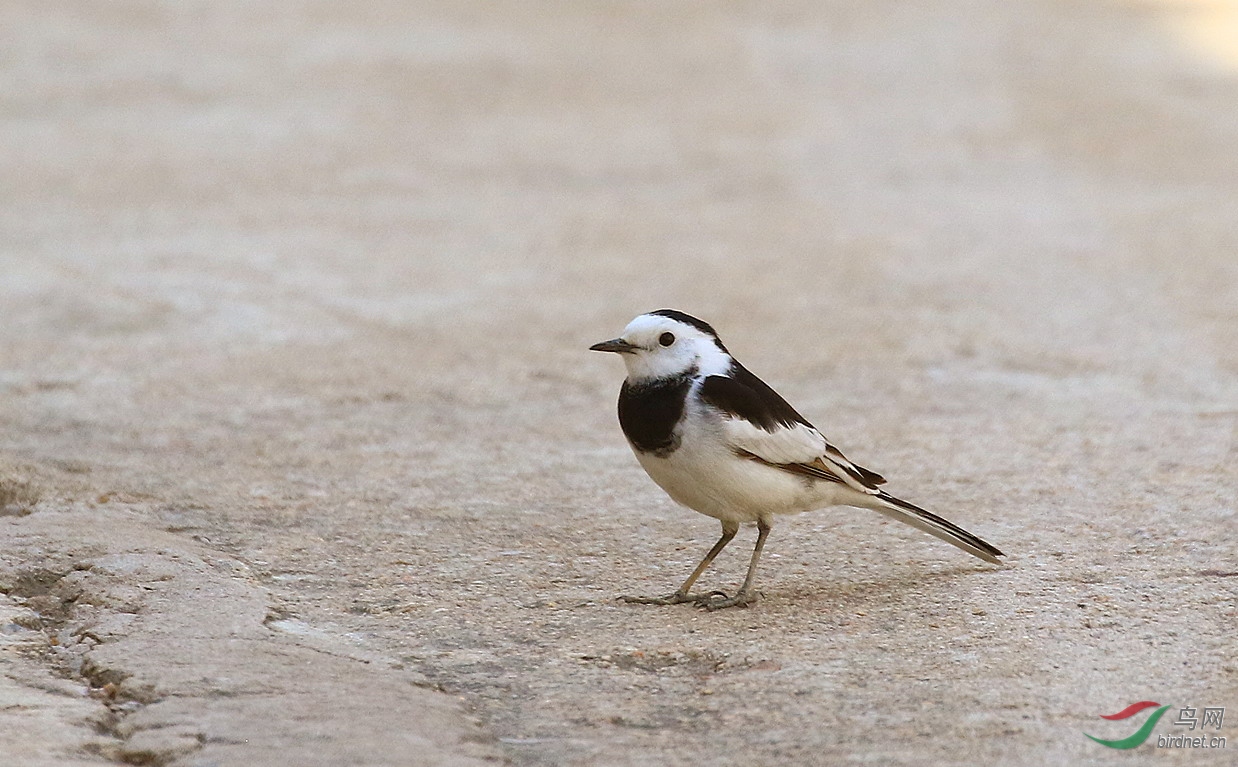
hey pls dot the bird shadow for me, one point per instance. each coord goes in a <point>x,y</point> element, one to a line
<point>851,593</point>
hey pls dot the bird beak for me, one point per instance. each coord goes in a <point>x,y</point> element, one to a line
<point>614,345</point>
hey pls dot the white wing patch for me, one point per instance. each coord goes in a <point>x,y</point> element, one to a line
<point>787,444</point>
<point>795,444</point>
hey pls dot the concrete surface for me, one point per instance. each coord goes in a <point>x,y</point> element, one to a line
<point>303,459</point>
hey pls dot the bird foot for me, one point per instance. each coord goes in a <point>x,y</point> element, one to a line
<point>677,598</point>
<point>717,600</point>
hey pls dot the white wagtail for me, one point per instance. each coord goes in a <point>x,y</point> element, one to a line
<point>720,441</point>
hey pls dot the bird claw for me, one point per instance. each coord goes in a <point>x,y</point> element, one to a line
<point>742,599</point>
<point>714,600</point>
<point>669,599</point>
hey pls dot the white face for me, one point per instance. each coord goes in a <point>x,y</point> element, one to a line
<point>660,347</point>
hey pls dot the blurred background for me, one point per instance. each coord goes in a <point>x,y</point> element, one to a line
<point>266,173</point>
<point>316,280</point>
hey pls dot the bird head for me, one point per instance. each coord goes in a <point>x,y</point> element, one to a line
<point>666,344</point>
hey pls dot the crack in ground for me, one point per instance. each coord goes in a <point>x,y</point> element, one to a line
<point>52,595</point>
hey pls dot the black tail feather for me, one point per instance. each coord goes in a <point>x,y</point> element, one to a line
<point>942,528</point>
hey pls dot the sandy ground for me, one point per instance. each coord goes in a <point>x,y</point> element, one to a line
<point>303,460</point>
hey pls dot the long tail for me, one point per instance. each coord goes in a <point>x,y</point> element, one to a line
<point>897,508</point>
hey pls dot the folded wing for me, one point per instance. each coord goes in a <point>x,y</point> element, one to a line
<point>761,424</point>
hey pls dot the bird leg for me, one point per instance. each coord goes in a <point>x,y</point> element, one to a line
<point>745,595</point>
<point>729,529</point>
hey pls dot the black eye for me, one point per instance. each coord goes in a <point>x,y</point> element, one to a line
<point>666,339</point>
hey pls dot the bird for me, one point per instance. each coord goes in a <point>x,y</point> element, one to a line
<point>722,442</point>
